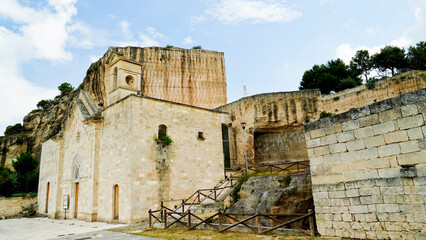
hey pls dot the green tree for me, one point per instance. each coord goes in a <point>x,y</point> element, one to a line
<point>6,181</point>
<point>65,88</point>
<point>197,47</point>
<point>14,129</point>
<point>362,62</point>
<point>26,172</point>
<point>45,104</point>
<point>416,56</point>
<point>390,58</point>
<point>328,77</point>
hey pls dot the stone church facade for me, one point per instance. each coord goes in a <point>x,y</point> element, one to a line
<point>109,162</point>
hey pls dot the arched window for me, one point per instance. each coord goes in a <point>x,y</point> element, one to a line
<point>129,80</point>
<point>162,131</point>
<point>114,79</point>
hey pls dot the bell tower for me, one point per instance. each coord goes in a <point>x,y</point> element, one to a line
<point>124,79</point>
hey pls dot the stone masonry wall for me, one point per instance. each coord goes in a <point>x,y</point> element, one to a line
<point>12,206</point>
<point>368,170</point>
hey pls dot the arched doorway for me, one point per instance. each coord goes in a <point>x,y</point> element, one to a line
<point>116,201</point>
<point>77,186</point>
<point>47,196</point>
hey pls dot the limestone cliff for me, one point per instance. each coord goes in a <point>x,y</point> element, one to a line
<point>194,77</point>
<point>356,97</point>
<point>38,127</point>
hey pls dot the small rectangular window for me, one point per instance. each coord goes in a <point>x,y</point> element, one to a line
<point>201,136</point>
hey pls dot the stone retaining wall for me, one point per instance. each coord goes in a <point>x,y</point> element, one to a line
<point>368,170</point>
<point>12,206</point>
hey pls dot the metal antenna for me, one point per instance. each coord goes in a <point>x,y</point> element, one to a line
<point>244,88</point>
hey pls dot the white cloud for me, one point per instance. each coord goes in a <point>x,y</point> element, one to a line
<point>323,2</point>
<point>94,58</point>
<point>413,35</point>
<point>155,34</point>
<point>188,40</point>
<point>253,11</point>
<point>369,30</point>
<point>38,34</point>
<point>152,38</point>
<point>147,41</point>
<point>125,26</point>
<point>82,35</point>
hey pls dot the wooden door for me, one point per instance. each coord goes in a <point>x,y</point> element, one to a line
<point>116,192</point>
<point>76,200</point>
<point>47,196</point>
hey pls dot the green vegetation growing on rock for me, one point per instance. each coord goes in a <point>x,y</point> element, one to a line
<point>325,114</point>
<point>45,104</point>
<point>236,191</point>
<point>65,88</point>
<point>14,129</point>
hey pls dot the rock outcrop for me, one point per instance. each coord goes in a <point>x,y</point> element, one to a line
<point>277,194</point>
<point>193,77</point>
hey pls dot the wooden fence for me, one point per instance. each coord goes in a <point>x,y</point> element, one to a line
<point>222,221</point>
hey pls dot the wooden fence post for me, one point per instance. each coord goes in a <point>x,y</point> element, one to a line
<point>189,218</point>
<point>215,197</point>
<point>183,206</point>
<point>198,192</point>
<point>149,220</point>
<point>220,219</point>
<point>165,218</point>
<point>259,222</point>
<point>161,211</point>
<point>311,222</point>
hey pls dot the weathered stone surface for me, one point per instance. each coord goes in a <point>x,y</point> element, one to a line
<point>274,126</point>
<point>194,77</point>
<point>361,96</point>
<point>275,194</point>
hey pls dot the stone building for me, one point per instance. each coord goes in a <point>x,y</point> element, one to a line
<point>112,159</point>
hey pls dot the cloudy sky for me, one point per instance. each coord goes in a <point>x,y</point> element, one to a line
<point>268,44</point>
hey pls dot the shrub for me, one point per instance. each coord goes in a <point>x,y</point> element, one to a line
<point>36,110</point>
<point>45,104</point>
<point>336,98</point>
<point>236,192</point>
<point>346,83</point>
<point>65,88</point>
<point>371,82</point>
<point>169,46</point>
<point>197,47</point>
<point>14,129</point>
<point>325,114</point>
<point>26,172</point>
<point>164,139</point>
<point>6,181</point>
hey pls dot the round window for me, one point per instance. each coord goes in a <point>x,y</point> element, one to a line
<point>129,80</point>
